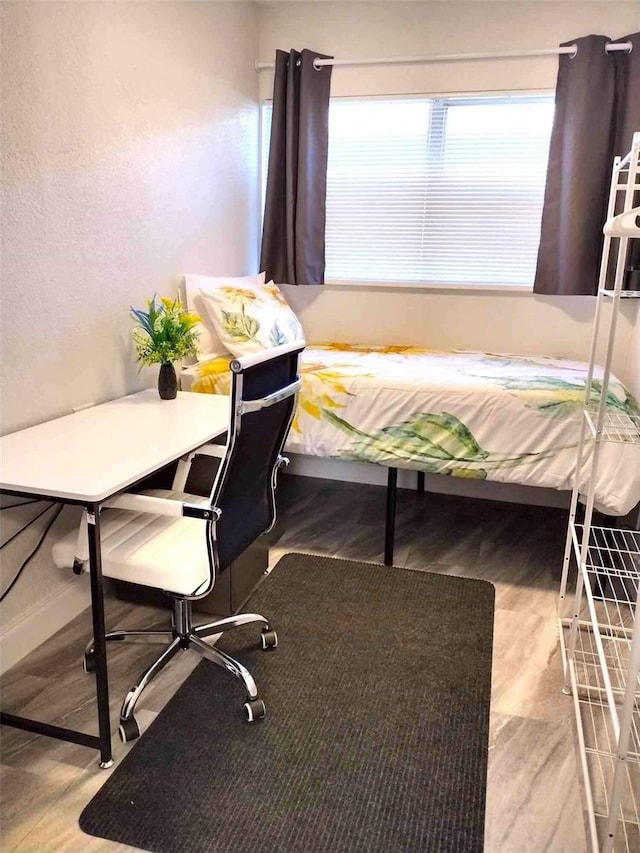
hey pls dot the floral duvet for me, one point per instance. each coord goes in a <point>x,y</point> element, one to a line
<point>509,418</point>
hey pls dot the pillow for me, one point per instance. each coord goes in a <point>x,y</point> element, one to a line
<point>251,317</point>
<point>195,286</point>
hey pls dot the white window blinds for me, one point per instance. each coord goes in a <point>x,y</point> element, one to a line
<point>435,191</point>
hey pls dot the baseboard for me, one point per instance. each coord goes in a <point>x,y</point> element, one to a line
<point>360,472</point>
<point>36,625</point>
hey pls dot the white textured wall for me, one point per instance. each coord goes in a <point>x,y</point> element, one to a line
<point>130,148</point>
<point>633,370</point>
<point>496,321</point>
<point>129,156</point>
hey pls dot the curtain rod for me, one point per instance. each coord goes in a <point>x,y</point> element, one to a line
<point>571,49</point>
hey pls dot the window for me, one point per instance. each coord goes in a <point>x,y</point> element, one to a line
<point>442,191</point>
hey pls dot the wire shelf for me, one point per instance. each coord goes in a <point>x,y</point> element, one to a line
<point>616,426</point>
<point>624,294</point>
<point>611,572</point>
<point>598,764</point>
<point>600,642</point>
<point>613,553</point>
<point>591,689</point>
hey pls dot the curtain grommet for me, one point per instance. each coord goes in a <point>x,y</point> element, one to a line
<point>627,50</point>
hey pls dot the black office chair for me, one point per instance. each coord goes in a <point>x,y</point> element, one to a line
<point>157,538</point>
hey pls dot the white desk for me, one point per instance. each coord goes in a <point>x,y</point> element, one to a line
<point>87,457</point>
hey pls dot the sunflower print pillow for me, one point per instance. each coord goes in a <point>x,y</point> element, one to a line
<point>251,318</point>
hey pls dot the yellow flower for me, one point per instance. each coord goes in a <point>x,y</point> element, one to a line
<point>213,377</point>
<point>274,291</point>
<point>190,319</point>
<point>239,294</point>
<point>321,389</point>
<point>337,347</point>
<point>373,348</point>
<point>328,377</point>
<point>214,365</point>
<point>400,350</point>
<point>329,402</point>
<point>166,331</point>
<point>312,408</point>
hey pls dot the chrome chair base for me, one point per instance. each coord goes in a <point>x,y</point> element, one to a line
<point>187,636</point>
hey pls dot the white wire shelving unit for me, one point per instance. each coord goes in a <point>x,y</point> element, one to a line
<point>600,622</point>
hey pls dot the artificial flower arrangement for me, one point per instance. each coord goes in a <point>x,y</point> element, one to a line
<point>165,333</point>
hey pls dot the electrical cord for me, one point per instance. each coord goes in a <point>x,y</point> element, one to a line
<point>28,524</point>
<point>23,503</point>
<point>33,553</point>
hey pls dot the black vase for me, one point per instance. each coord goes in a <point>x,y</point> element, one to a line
<point>167,381</point>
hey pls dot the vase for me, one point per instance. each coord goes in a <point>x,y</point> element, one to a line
<point>167,381</point>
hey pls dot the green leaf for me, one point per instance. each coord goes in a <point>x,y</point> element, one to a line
<point>437,437</point>
<point>564,398</point>
<point>628,405</point>
<point>345,426</point>
<point>277,336</point>
<point>438,443</point>
<point>252,326</point>
<point>239,326</point>
<point>443,435</point>
<point>161,335</point>
<point>631,404</point>
<point>143,319</point>
<point>540,383</point>
<point>468,473</point>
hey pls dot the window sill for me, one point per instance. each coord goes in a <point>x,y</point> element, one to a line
<point>418,285</point>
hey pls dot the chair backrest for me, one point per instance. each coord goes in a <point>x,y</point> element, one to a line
<point>264,393</point>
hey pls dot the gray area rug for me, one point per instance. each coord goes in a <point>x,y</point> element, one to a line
<point>376,734</point>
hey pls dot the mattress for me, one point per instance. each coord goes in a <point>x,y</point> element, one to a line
<point>480,415</point>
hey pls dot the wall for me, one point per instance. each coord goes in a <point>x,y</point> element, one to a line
<point>511,322</point>
<point>633,369</point>
<point>129,157</point>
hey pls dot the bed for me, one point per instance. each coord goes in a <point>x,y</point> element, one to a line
<point>479,415</point>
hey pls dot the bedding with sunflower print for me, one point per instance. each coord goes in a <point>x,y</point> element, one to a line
<point>509,418</point>
<point>251,318</point>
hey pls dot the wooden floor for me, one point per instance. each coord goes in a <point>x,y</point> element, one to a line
<point>533,790</point>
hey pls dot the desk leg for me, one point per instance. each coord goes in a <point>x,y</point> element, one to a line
<point>100,646</point>
<point>390,521</point>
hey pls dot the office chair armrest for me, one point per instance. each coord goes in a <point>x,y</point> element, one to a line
<point>246,406</point>
<point>205,513</point>
<point>145,503</point>
<point>161,506</point>
<point>217,450</point>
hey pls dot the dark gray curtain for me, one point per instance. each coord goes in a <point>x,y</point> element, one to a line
<point>597,111</point>
<point>628,122</point>
<point>293,235</point>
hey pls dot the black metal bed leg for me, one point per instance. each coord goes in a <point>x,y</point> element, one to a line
<point>97,611</point>
<point>390,525</point>
<point>420,486</point>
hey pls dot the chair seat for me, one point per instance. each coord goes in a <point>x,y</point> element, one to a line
<point>165,552</point>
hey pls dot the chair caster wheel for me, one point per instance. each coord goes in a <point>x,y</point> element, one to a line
<point>128,730</point>
<point>268,640</point>
<point>89,661</point>
<point>254,709</point>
